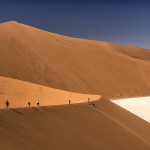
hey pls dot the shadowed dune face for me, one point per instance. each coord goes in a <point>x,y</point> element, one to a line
<point>18,93</point>
<point>73,127</point>
<point>71,64</point>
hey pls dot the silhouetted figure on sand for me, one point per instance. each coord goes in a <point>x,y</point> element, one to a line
<point>29,103</point>
<point>88,100</point>
<point>7,104</point>
<point>93,105</point>
<point>38,103</point>
<point>69,101</point>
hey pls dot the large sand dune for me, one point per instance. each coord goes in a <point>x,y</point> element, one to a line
<point>71,64</point>
<point>73,127</point>
<point>35,64</point>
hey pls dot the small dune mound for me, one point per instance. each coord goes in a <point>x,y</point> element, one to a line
<point>18,93</point>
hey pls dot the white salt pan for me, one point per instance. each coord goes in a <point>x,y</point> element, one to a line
<point>139,106</point>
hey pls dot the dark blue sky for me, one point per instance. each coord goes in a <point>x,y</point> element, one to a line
<point>121,22</point>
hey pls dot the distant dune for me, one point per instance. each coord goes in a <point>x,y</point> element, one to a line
<point>72,64</point>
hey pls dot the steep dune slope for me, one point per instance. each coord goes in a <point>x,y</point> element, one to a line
<point>18,93</point>
<point>79,126</point>
<point>71,64</point>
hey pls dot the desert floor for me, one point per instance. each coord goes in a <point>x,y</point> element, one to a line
<point>139,106</point>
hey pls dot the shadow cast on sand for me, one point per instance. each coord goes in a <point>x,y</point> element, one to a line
<point>44,108</point>
<point>35,108</point>
<point>15,111</point>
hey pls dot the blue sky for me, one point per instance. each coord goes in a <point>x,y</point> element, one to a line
<point>120,22</point>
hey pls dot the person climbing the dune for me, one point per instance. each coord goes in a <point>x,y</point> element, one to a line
<point>38,103</point>
<point>29,103</point>
<point>94,105</point>
<point>69,101</point>
<point>7,103</point>
<point>88,100</point>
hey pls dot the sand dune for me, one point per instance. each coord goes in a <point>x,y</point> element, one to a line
<point>78,126</point>
<point>18,93</point>
<point>71,64</point>
<point>35,64</point>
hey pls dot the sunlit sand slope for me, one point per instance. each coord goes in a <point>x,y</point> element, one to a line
<point>73,127</point>
<point>18,93</point>
<point>71,64</point>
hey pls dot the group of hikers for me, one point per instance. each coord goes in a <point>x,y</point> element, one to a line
<point>88,102</point>
<point>38,103</point>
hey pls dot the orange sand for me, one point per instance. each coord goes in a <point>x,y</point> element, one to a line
<point>18,93</point>
<point>73,127</point>
<point>72,64</point>
<point>56,67</point>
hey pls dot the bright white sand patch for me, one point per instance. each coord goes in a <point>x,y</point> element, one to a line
<point>139,106</point>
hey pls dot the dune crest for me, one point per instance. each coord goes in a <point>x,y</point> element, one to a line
<point>18,93</point>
